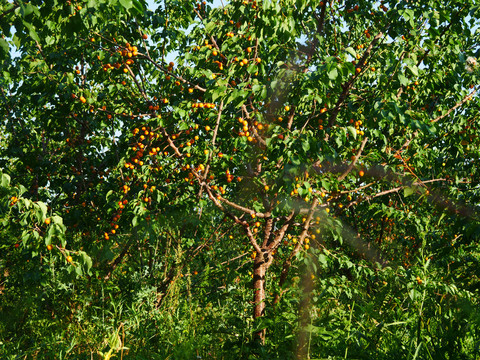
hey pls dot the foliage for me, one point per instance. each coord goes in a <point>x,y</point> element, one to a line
<point>160,169</point>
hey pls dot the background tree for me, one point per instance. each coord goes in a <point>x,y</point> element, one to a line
<point>326,150</point>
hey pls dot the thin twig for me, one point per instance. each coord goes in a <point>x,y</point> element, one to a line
<point>352,164</point>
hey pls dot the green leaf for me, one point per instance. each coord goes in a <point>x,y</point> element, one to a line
<point>78,270</point>
<point>5,180</point>
<point>43,210</point>
<point>252,69</point>
<point>58,220</point>
<point>352,131</point>
<point>351,51</point>
<point>31,31</point>
<point>323,260</point>
<point>127,4</point>
<point>413,69</point>
<point>26,9</point>
<point>403,80</point>
<point>4,46</point>
<point>138,6</point>
<point>209,27</point>
<point>109,194</point>
<point>48,237</point>
<point>305,145</point>
<point>218,92</point>
<point>333,74</point>
<point>87,261</point>
<point>408,191</point>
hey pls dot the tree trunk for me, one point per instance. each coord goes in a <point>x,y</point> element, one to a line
<point>259,270</point>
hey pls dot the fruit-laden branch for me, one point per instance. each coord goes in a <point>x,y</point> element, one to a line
<point>119,258</point>
<point>215,131</point>
<point>40,50</point>
<point>142,91</point>
<point>281,233</point>
<point>254,130</point>
<point>237,220</point>
<point>165,71</point>
<point>288,262</point>
<point>348,85</point>
<point>171,143</point>
<point>207,169</point>
<point>357,189</point>
<point>214,138</point>
<point>290,118</point>
<point>381,174</point>
<point>416,132</point>
<point>352,164</point>
<point>438,198</point>
<point>244,209</point>
<point>204,185</point>
<point>212,38</point>
<point>457,105</point>
<point>320,23</point>
<point>454,17</point>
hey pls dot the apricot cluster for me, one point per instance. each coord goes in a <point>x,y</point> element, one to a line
<point>246,128</point>
<point>128,52</point>
<point>203,105</point>
<point>357,125</point>
<point>139,147</point>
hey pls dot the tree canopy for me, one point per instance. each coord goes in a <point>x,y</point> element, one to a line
<point>262,179</point>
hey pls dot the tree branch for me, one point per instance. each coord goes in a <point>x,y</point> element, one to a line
<point>349,83</point>
<point>178,77</point>
<point>352,164</point>
<point>457,105</point>
<point>320,23</point>
<point>288,262</point>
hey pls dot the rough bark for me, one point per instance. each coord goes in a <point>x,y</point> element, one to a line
<point>259,270</point>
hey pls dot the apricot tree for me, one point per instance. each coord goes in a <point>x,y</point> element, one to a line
<point>286,130</point>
